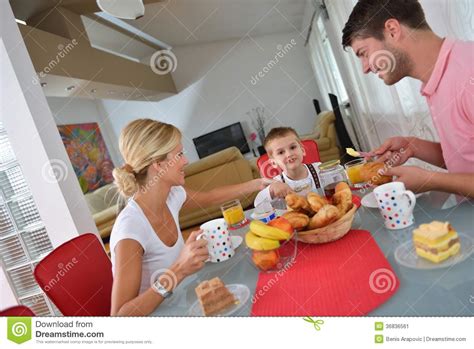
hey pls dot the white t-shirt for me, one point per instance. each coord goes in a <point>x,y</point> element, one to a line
<point>300,186</point>
<point>132,224</point>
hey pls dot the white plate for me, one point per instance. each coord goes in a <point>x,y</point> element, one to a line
<point>241,293</point>
<point>236,241</point>
<point>370,201</point>
<point>405,255</point>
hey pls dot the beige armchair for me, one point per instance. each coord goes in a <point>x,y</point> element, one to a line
<point>324,133</point>
<point>222,168</point>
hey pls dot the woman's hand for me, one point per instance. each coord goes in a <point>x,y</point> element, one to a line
<point>192,257</point>
<point>279,190</point>
<point>396,150</point>
<point>261,183</point>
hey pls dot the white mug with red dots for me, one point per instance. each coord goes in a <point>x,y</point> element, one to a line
<point>219,241</point>
<point>396,205</point>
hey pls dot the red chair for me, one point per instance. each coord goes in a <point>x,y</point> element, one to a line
<point>17,310</point>
<point>268,171</point>
<point>77,277</point>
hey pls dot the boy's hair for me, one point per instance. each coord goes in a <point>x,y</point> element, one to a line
<point>278,132</point>
<point>369,16</point>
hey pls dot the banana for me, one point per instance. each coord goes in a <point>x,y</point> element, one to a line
<point>260,244</point>
<point>265,231</point>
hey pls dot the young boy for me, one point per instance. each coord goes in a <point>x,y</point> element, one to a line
<point>286,151</point>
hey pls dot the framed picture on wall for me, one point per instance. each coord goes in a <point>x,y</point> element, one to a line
<point>88,153</point>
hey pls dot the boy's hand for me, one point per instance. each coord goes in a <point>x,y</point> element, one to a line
<point>279,190</point>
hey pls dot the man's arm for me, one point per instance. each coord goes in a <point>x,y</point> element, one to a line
<point>457,183</point>
<point>430,152</point>
<point>420,180</point>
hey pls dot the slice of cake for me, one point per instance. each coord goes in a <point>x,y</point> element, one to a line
<point>436,241</point>
<point>213,296</point>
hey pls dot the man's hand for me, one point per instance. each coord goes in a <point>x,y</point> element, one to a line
<point>414,178</point>
<point>396,150</point>
<point>279,190</point>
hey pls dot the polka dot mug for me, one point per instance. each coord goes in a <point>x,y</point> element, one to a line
<point>219,242</point>
<point>396,205</point>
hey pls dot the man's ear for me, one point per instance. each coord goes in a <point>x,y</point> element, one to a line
<point>392,29</point>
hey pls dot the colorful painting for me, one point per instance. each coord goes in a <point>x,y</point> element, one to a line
<point>88,154</point>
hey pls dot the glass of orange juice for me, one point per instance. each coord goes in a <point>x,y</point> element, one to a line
<point>353,172</point>
<point>233,214</point>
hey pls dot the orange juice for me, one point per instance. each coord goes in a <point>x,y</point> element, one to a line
<point>353,173</point>
<point>233,213</point>
<point>353,170</point>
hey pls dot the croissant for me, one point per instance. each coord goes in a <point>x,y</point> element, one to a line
<point>370,173</point>
<point>316,201</point>
<point>326,215</point>
<point>343,201</point>
<point>298,203</point>
<point>298,220</point>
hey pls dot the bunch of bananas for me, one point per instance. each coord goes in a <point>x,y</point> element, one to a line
<point>263,237</point>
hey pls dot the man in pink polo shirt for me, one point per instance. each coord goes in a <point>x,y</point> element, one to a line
<point>393,40</point>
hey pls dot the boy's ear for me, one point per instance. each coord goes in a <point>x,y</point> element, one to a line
<point>303,149</point>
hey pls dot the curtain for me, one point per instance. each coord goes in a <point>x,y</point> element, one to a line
<point>380,111</point>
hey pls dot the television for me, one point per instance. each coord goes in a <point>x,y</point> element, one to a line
<point>229,136</point>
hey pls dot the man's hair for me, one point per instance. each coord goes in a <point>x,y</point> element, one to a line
<point>278,132</point>
<point>369,16</point>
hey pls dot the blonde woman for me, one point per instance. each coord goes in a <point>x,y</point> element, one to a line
<point>149,256</point>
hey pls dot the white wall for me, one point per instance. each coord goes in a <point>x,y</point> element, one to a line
<point>68,110</point>
<point>7,298</point>
<point>35,140</point>
<point>216,89</point>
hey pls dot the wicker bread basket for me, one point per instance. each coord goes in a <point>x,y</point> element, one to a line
<point>331,232</point>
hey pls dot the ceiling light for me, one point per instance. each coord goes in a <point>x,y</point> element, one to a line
<point>94,90</point>
<point>43,84</point>
<point>130,9</point>
<point>19,21</point>
<point>70,88</point>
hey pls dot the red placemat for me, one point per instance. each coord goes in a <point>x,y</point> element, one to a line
<point>348,277</point>
<point>356,200</point>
